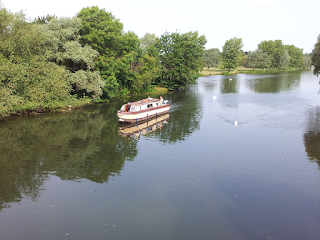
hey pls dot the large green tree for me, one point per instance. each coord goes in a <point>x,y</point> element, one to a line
<point>211,57</point>
<point>117,49</point>
<point>63,48</point>
<point>180,58</point>
<point>296,56</point>
<point>274,49</point>
<point>257,59</point>
<point>231,53</point>
<point>26,78</point>
<point>315,57</point>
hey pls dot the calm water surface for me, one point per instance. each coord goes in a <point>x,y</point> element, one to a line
<point>190,175</point>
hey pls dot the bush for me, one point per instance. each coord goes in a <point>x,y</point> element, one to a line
<point>226,73</point>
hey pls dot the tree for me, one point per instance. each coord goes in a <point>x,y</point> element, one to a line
<point>315,57</point>
<point>102,31</point>
<point>296,56</point>
<point>180,58</point>
<point>284,59</point>
<point>243,60</point>
<point>211,57</point>
<point>231,53</point>
<point>257,59</point>
<point>147,41</point>
<point>63,48</point>
<point>274,50</point>
<point>26,75</point>
<point>117,50</point>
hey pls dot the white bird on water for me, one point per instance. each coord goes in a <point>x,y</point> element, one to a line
<point>236,122</point>
<point>214,97</point>
<point>230,79</point>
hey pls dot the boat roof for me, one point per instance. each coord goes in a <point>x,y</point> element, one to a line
<point>144,101</point>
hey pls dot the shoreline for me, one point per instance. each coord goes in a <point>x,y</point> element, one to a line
<point>29,109</point>
<point>243,70</point>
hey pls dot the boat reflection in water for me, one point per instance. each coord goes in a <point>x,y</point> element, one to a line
<point>136,130</point>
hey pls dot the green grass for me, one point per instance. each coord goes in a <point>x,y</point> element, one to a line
<point>268,71</point>
<point>36,107</point>
<point>159,90</point>
<point>217,71</point>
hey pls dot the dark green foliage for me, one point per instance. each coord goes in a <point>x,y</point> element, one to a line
<point>121,63</point>
<point>180,58</point>
<point>274,49</point>
<point>102,31</point>
<point>315,57</point>
<point>117,50</point>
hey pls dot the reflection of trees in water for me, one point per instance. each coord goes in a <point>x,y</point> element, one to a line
<point>80,144</point>
<point>279,83</point>
<point>210,87</point>
<point>185,117</point>
<point>229,86</point>
<point>19,179</point>
<point>311,136</point>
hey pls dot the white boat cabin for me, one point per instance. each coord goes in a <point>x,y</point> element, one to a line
<point>142,105</point>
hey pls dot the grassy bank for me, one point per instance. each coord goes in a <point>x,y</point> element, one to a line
<point>158,90</point>
<point>36,108</point>
<point>268,71</point>
<point>217,71</point>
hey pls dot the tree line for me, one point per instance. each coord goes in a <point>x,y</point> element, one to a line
<point>52,61</point>
<point>272,54</point>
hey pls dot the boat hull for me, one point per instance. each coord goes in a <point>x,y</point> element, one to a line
<point>142,115</point>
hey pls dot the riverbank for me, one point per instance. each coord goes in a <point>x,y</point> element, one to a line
<point>217,71</point>
<point>34,108</point>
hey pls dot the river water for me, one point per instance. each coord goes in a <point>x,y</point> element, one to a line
<point>191,174</point>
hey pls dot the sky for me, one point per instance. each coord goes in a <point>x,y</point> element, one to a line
<point>295,22</point>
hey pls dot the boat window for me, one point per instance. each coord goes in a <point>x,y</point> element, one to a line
<point>133,108</point>
<point>122,108</point>
<point>128,108</point>
<point>149,105</point>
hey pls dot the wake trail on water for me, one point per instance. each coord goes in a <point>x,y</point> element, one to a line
<point>246,121</point>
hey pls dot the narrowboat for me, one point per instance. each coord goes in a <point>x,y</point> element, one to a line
<point>143,109</point>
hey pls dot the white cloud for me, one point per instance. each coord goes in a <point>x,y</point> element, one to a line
<point>258,3</point>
